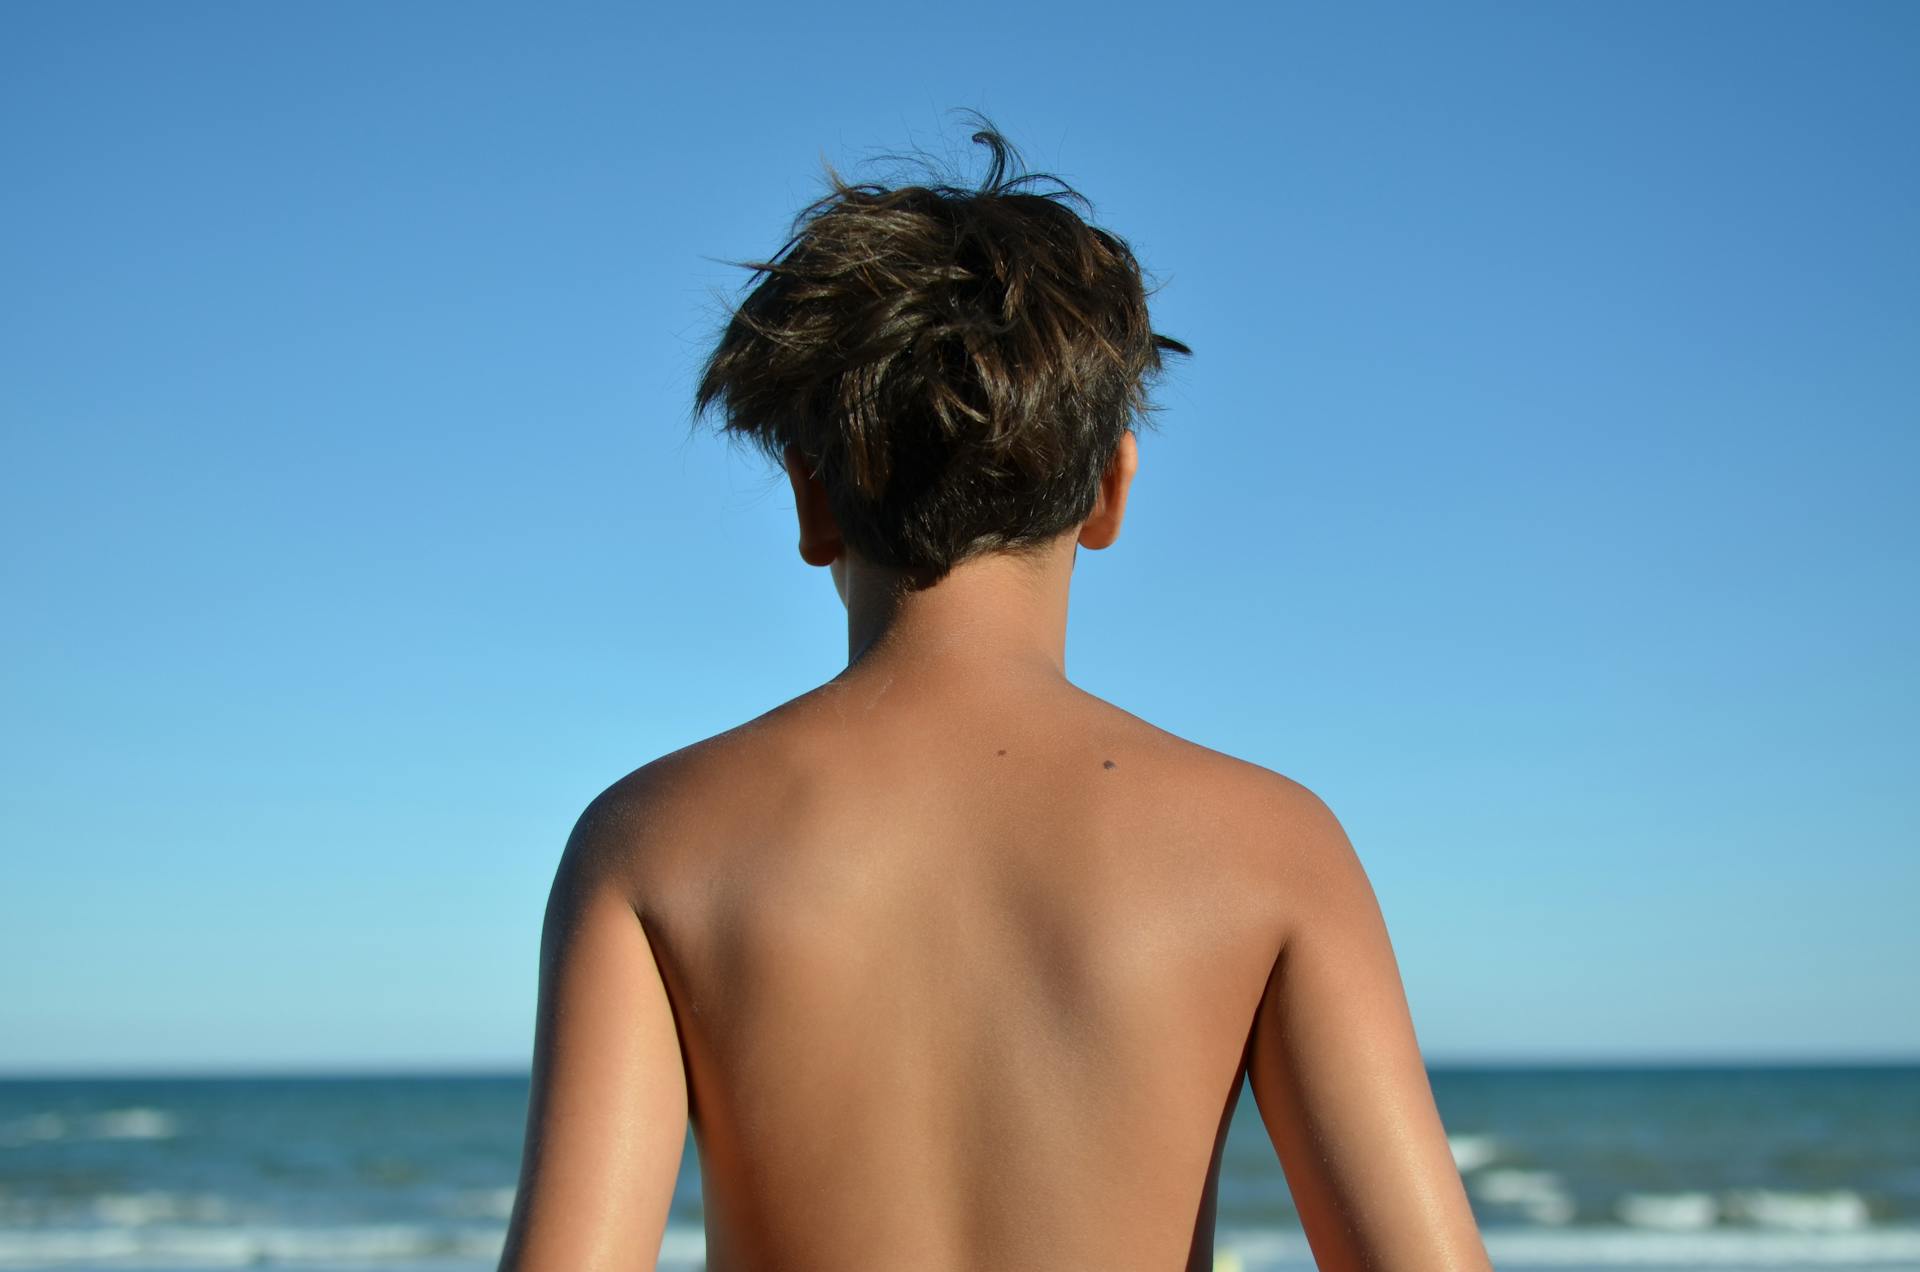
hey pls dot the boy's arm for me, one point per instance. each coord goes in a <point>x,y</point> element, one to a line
<point>1339,1080</point>
<point>607,1113</point>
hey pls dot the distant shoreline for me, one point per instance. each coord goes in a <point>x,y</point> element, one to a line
<point>502,1073</point>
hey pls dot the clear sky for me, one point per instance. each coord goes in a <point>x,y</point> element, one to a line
<point>1541,492</point>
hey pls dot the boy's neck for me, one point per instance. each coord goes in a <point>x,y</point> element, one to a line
<point>991,615</point>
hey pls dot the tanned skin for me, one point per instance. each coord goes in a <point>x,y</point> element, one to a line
<point>957,967</point>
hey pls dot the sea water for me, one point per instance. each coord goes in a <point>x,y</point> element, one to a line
<point>1567,1168</point>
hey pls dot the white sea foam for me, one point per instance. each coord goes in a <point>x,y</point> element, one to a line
<point>134,1124</point>
<point>133,1210</point>
<point>1587,1247</point>
<point>127,1124</point>
<point>1471,1152</point>
<point>1262,1247</point>
<point>1518,1187</point>
<point>1684,1211</point>
<point>684,1248</point>
<point>1712,1248</point>
<point>239,1246</point>
<point>1837,1211</point>
<point>491,1203</point>
<point>1538,1194</point>
<point>62,1247</point>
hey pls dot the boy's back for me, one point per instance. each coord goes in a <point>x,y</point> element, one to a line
<point>964,971</point>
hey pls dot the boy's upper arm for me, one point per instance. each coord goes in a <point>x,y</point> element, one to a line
<point>607,1112</point>
<point>1339,1079</point>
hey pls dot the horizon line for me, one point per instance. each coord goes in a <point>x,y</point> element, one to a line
<point>375,1069</point>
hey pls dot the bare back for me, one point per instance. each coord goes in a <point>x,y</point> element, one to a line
<point>962,983</point>
<point>964,974</point>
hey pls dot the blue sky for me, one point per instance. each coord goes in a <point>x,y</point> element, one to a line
<point>1540,492</point>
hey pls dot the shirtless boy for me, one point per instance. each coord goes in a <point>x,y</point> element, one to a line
<point>952,965</point>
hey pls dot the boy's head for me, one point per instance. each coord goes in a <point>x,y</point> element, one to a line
<point>956,367</point>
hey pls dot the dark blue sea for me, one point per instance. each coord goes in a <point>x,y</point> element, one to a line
<point>1568,1168</point>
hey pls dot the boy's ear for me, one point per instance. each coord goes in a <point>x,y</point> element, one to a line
<point>820,542</point>
<point>1110,506</point>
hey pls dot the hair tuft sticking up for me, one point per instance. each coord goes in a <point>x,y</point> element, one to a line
<point>956,365</point>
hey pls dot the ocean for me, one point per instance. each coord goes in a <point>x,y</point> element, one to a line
<point>1653,1168</point>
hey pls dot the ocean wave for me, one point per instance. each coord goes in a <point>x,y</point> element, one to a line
<point>1717,1247</point>
<point>228,1247</point>
<point>1540,1195</point>
<point>486,1203</point>
<point>112,1209</point>
<point>1587,1247</point>
<point>30,1130</point>
<point>1685,1211</point>
<point>136,1210</point>
<point>684,1248</point>
<point>133,1124</point>
<point>113,1124</point>
<point>1471,1152</point>
<point>1835,1211</point>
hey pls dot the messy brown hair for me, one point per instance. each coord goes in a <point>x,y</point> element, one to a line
<point>955,365</point>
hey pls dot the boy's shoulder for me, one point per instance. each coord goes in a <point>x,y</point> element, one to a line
<point>729,787</point>
<point>678,794</point>
<point>686,802</point>
<point>1245,786</point>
